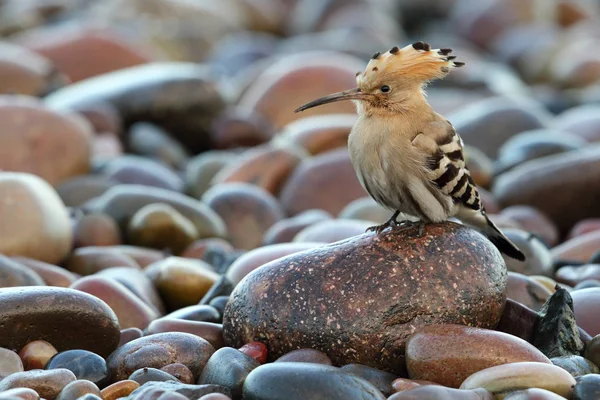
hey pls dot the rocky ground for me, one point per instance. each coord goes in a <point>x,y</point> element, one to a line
<point>171,229</point>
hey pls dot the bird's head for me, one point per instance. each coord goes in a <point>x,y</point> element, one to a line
<point>392,79</point>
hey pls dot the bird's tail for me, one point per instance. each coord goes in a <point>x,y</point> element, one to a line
<point>479,220</point>
<point>501,241</point>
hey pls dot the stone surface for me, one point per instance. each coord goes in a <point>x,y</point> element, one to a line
<point>161,227</point>
<point>77,389</point>
<point>51,274</point>
<point>149,140</point>
<point>229,368</point>
<point>138,283</point>
<point>139,170</point>
<point>201,170</point>
<point>156,351</point>
<point>532,220</point>
<point>404,283</point>
<point>553,184</point>
<point>256,350</point>
<point>131,311</point>
<point>326,181</point>
<point>211,332</point>
<point>305,355</point>
<point>573,275</point>
<point>47,384</point>
<point>180,281</point>
<point>204,313</point>
<point>19,393</point>
<point>299,381</point>
<point>96,230</point>
<point>36,140</point>
<point>575,365</point>
<point>586,303</point>
<point>523,375</point>
<point>320,133</point>
<point>10,362</point>
<point>538,258</point>
<point>448,354</point>
<point>129,334</point>
<point>35,222</point>
<point>526,291</point>
<point>36,354</point>
<point>592,350</point>
<point>28,314</point>
<point>84,364</point>
<point>366,209</point>
<point>588,387</point>
<point>533,394</point>
<point>247,210</point>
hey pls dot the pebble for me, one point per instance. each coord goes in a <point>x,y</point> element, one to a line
<point>179,371</point>
<point>365,209</point>
<point>500,118</point>
<point>382,380</point>
<point>219,303</point>
<point>526,291</point>
<point>440,392</point>
<point>267,166</point>
<point>256,350</point>
<point>229,368</point>
<point>201,170</point>
<point>158,350</point>
<point>546,184</point>
<point>51,274</point>
<point>84,364</point>
<point>305,355</point>
<point>36,354</point>
<point>214,251</point>
<point>580,121</point>
<point>532,220</point>
<point>584,226</point>
<point>587,388</point>
<point>211,332</point>
<point>10,362</point>
<point>160,390</point>
<point>13,274</point>
<point>319,133</point>
<point>139,170</point>
<point>129,334</point>
<point>253,259</point>
<point>326,181</point>
<point>48,384</point>
<point>52,145</point>
<point>331,231</point>
<point>96,230</point>
<point>90,260</point>
<point>248,212</point>
<point>592,350</point>
<point>77,389</point>
<point>533,394</point>
<point>538,258</point>
<point>120,389</point>
<point>76,191</point>
<point>200,313</point>
<point>153,142</point>
<point>285,230</point>
<point>366,303</point>
<point>130,310</point>
<point>43,312</point>
<point>573,275</point>
<point>448,354</point>
<point>180,281</point>
<point>586,303</point>
<point>575,365</point>
<point>138,283</point>
<point>300,381</point>
<point>19,393</point>
<point>578,249</point>
<point>295,79</point>
<point>403,384</point>
<point>26,197</point>
<point>122,202</point>
<point>161,227</point>
<point>144,375</point>
<point>522,375</point>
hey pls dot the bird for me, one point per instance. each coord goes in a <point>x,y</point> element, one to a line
<point>406,156</point>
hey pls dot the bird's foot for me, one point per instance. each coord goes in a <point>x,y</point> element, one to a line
<point>421,225</point>
<point>387,224</point>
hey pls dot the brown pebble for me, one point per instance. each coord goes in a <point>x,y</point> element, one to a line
<point>51,274</point>
<point>48,384</point>
<point>96,230</point>
<point>180,372</point>
<point>129,334</point>
<point>35,355</point>
<point>119,389</point>
<point>78,388</point>
<point>211,332</point>
<point>402,384</point>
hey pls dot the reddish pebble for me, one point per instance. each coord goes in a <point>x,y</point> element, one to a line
<point>586,305</point>
<point>180,372</point>
<point>256,350</point>
<point>305,355</point>
<point>35,355</point>
<point>211,332</point>
<point>119,389</point>
<point>97,230</point>
<point>584,226</point>
<point>129,334</point>
<point>402,384</point>
<point>9,363</point>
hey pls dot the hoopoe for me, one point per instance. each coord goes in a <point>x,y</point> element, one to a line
<point>408,157</point>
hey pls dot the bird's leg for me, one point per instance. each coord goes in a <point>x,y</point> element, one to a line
<point>421,225</point>
<point>389,223</point>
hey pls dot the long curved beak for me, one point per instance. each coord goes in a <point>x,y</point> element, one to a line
<point>352,94</point>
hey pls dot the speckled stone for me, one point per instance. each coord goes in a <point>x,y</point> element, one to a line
<point>448,354</point>
<point>368,294</point>
<point>48,384</point>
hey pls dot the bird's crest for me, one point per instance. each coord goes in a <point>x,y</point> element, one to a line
<point>415,63</point>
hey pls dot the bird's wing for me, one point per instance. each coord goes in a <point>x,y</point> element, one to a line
<point>445,163</point>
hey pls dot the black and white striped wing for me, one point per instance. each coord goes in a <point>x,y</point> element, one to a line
<point>449,172</point>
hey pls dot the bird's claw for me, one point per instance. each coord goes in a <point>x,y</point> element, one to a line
<point>380,228</point>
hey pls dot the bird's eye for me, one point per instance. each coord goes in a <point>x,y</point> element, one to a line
<point>385,89</point>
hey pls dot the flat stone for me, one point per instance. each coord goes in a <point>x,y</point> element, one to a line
<point>158,389</point>
<point>585,305</point>
<point>28,314</point>
<point>399,282</point>
<point>48,384</point>
<point>10,362</point>
<point>84,364</point>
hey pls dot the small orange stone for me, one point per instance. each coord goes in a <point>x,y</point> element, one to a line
<point>35,355</point>
<point>119,389</point>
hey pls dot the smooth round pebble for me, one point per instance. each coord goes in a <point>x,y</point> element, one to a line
<point>145,374</point>
<point>538,258</point>
<point>219,303</point>
<point>200,313</point>
<point>211,332</point>
<point>14,274</point>
<point>51,274</point>
<point>573,275</point>
<point>228,367</point>
<point>202,169</point>
<point>305,355</point>
<point>84,364</point>
<point>19,394</point>
<point>403,384</point>
<point>533,394</point>
<point>36,354</point>
<point>123,388</point>
<point>10,362</point>
<point>48,384</point>
<point>534,221</point>
<point>256,350</point>
<point>136,170</point>
<point>179,371</point>
<point>587,388</point>
<point>77,389</point>
<point>365,209</point>
<point>138,283</point>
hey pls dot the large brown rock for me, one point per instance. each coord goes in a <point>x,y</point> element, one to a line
<point>360,299</point>
<point>34,221</point>
<point>34,139</point>
<point>564,187</point>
